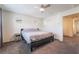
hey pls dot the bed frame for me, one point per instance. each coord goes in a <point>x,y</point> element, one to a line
<point>36,44</point>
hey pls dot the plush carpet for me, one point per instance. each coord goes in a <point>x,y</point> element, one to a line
<point>68,46</point>
<point>18,47</point>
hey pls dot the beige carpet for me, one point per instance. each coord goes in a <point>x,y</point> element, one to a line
<point>18,47</point>
<point>68,46</point>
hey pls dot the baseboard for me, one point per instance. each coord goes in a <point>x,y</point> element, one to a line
<point>11,41</point>
<point>67,36</point>
<point>58,40</point>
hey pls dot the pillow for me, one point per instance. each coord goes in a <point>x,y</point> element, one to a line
<point>31,29</point>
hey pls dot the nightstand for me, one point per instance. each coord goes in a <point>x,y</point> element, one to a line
<point>17,36</point>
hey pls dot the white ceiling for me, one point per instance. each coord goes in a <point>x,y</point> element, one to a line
<point>33,9</point>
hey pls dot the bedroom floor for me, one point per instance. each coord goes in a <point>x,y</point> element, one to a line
<point>18,47</point>
<point>68,46</point>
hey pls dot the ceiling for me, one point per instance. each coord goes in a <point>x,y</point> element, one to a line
<point>34,9</point>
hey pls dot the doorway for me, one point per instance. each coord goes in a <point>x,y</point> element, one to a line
<point>77,27</point>
<point>71,25</point>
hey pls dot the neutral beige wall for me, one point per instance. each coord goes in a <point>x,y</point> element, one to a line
<point>57,28</point>
<point>10,26</point>
<point>58,23</point>
<point>68,26</point>
<point>54,24</point>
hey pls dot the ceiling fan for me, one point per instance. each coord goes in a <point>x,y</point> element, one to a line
<point>43,7</point>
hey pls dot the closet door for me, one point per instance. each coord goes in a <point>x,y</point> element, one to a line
<point>0,27</point>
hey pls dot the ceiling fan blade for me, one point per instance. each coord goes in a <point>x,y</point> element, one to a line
<point>45,5</point>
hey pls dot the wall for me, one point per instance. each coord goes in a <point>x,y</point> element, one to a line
<point>54,23</point>
<point>71,24</point>
<point>10,26</point>
<point>68,26</point>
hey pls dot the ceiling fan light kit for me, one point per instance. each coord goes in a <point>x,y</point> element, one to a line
<point>42,9</point>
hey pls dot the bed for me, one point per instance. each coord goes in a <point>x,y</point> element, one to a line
<point>36,37</point>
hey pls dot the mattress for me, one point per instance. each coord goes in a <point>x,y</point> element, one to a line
<point>35,35</point>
